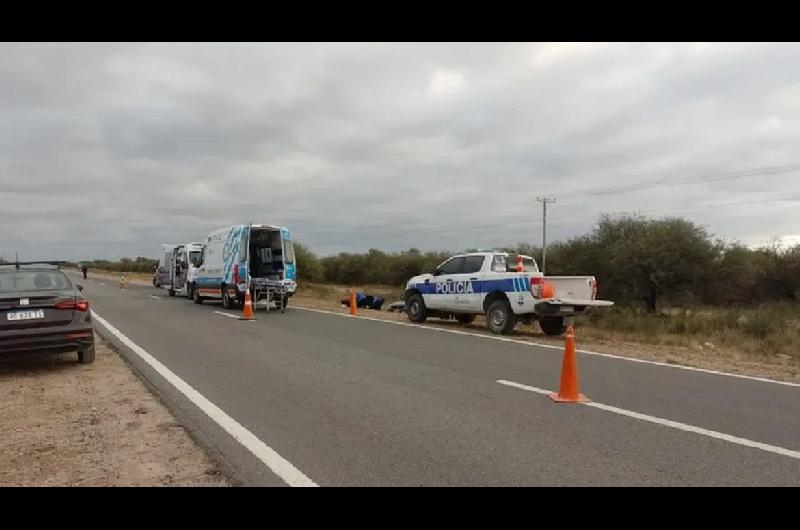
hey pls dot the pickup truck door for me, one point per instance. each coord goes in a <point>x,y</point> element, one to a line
<point>442,295</point>
<point>466,286</point>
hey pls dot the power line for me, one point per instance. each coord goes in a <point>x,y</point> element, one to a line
<point>729,175</point>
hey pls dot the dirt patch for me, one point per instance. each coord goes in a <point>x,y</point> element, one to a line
<point>709,356</point>
<point>68,424</point>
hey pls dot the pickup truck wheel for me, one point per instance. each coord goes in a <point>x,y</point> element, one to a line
<point>465,319</point>
<point>86,356</point>
<point>552,326</point>
<point>500,319</point>
<point>196,298</point>
<point>416,310</point>
<point>227,301</point>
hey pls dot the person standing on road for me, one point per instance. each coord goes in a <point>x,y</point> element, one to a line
<point>84,269</point>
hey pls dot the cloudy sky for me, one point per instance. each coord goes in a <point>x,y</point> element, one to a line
<point>109,150</point>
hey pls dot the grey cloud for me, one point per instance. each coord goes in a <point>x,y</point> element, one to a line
<point>108,150</point>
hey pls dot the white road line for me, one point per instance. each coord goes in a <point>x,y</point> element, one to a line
<point>154,297</point>
<point>101,283</point>
<point>559,348</point>
<point>669,423</point>
<point>226,314</point>
<point>275,462</point>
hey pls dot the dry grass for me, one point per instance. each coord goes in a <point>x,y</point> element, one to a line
<point>767,330</point>
<point>114,275</point>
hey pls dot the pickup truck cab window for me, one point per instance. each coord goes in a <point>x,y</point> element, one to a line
<point>473,264</point>
<point>452,266</point>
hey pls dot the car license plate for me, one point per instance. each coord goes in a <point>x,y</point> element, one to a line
<point>26,315</point>
<point>567,309</point>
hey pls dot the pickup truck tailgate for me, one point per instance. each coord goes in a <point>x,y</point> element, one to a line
<point>574,287</point>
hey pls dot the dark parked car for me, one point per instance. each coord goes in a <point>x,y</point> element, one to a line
<point>41,310</point>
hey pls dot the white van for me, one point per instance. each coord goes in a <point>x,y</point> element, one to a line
<point>241,257</point>
<point>183,268</point>
<point>163,273</point>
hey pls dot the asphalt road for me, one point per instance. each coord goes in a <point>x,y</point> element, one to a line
<point>357,402</point>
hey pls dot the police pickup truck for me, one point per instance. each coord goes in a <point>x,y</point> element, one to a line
<point>501,287</point>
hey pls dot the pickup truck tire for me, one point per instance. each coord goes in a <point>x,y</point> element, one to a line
<point>552,326</point>
<point>86,356</point>
<point>227,301</point>
<point>416,310</point>
<point>500,319</point>
<point>465,319</point>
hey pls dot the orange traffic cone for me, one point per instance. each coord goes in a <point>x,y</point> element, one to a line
<point>247,311</point>
<point>353,303</point>
<point>519,264</point>
<point>122,282</point>
<point>569,391</point>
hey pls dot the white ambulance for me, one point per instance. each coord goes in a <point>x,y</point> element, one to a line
<point>241,257</point>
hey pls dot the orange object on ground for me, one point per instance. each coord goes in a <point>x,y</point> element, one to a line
<point>353,303</point>
<point>122,282</point>
<point>548,291</point>
<point>569,392</point>
<point>247,310</point>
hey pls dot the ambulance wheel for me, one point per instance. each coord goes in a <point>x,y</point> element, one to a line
<point>415,309</point>
<point>500,319</point>
<point>227,301</point>
<point>552,326</point>
<point>196,298</point>
<point>465,319</point>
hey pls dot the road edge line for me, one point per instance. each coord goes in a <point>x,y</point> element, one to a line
<point>268,456</point>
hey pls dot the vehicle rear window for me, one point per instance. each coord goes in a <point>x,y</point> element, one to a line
<point>15,281</point>
<point>288,251</point>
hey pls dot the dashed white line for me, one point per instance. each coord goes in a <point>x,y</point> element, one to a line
<point>558,348</point>
<point>669,423</point>
<point>275,462</point>
<point>231,315</point>
<point>154,297</point>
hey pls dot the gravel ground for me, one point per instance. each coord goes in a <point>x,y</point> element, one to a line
<point>68,424</point>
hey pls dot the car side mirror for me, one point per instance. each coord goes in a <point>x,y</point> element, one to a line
<point>79,286</point>
<point>436,272</point>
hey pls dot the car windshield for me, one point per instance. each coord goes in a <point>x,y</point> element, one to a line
<point>194,257</point>
<point>15,281</point>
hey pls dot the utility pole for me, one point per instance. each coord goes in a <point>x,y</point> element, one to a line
<point>544,201</point>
